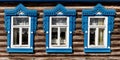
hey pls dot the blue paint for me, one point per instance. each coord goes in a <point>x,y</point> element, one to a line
<point>14,12</point>
<point>71,13</point>
<point>59,8</point>
<point>98,8</point>
<point>97,50</point>
<point>93,12</point>
<point>46,29</point>
<point>65,50</point>
<point>20,50</point>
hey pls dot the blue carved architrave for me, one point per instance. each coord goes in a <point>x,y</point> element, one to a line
<point>98,10</point>
<point>20,10</point>
<point>59,10</point>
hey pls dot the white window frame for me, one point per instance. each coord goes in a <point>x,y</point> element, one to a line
<point>20,33</point>
<point>58,26</point>
<point>96,32</point>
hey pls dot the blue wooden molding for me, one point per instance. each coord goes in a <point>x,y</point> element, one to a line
<point>20,10</point>
<point>59,10</point>
<point>98,10</point>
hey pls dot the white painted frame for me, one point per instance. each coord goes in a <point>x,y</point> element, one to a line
<point>59,26</point>
<point>20,32</point>
<point>105,27</point>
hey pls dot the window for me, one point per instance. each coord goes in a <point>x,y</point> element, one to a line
<point>97,32</point>
<point>97,25</point>
<point>59,29</point>
<point>59,24</point>
<point>20,31</point>
<point>20,25</point>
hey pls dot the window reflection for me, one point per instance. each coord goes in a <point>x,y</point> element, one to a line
<point>16,36</point>
<point>59,21</point>
<point>92,36</point>
<point>20,21</point>
<point>62,36</point>
<point>24,36</point>
<point>54,36</point>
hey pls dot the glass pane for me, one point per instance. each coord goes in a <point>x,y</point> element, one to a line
<point>97,21</point>
<point>63,36</point>
<point>20,21</point>
<point>24,36</point>
<point>54,36</point>
<point>15,36</point>
<point>59,21</point>
<point>92,36</point>
<point>101,36</point>
<point>93,21</point>
<point>101,21</point>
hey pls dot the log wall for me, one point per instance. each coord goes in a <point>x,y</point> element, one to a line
<point>78,37</point>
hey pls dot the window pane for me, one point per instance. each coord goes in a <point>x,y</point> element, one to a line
<point>62,36</point>
<point>20,21</point>
<point>101,36</point>
<point>59,21</point>
<point>92,36</point>
<point>15,36</point>
<point>24,36</point>
<point>101,21</point>
<point>93,21</point>
<point>97,21</point>
<point>54,36</point>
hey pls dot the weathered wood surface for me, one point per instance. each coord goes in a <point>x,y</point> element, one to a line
<point>78,37</point>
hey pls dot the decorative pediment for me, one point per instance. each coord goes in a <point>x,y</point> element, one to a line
<point>20,10</point>
<point>60,10</point>
<point>99,10</point>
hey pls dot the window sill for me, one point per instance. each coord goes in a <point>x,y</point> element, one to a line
<point>97,50</point>
<point>20,50</point>
<point>65,50</point>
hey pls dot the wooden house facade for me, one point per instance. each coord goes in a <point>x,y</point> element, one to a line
<point>77,13</point>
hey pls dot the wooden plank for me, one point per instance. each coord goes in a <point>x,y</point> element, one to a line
<point>40,32</point>
<point>40,37</point>
<point>114,42</point>
<point>78,36</point>
<point>39,43</point>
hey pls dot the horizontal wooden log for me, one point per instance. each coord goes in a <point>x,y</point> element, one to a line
<point>78,35</point>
